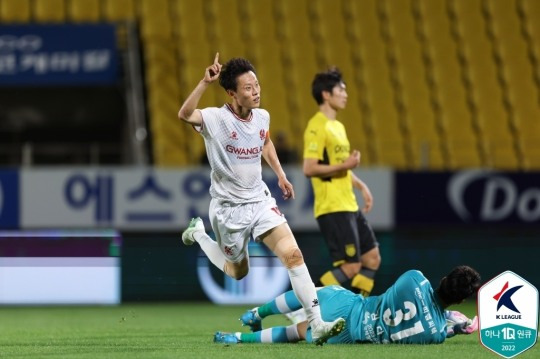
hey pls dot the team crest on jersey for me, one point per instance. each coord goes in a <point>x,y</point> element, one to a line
<point>234,135</point>
<point>350,250</point>
<point>229,250</point>
<point>262,134</point>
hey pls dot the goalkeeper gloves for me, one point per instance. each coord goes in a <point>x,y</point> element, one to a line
<point>458,323</point>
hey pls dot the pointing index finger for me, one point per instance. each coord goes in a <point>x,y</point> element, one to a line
<point>216,59</point>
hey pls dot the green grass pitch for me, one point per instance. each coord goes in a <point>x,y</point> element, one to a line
<point>184,330</point>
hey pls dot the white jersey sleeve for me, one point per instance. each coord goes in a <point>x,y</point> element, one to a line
<point>234,149</point>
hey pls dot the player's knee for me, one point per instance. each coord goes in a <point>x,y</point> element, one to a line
<point>236,271</point>
<point>293,258</point>
<point>351,268</point>
<point>241,274</point>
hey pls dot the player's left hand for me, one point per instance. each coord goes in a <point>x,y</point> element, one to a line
<point>366,194</point>
<point>286,188</point>
<point>368,200</point>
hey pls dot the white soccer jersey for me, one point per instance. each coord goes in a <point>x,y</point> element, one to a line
<point>234,148</point>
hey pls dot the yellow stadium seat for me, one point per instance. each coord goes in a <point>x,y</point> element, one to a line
<point>49,11</point>
<point>229,28</point>
<point>155,19</point>
<point>119,10</point>
<point>504,157</point>
<point>390,153</point>
<point>464,155</point>
<point>301,47</point>
<point>411,75</point>
<point>531,156</point>
<point>492,118</point>
<point>195,52</point>
<point>15,11</point>
<point>523,92</point>
<point>382,115</point>
<point>335,44</point>
<point>84,10</point>
<point>267,58</point>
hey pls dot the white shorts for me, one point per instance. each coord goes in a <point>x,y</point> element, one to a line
<point>235,224</point>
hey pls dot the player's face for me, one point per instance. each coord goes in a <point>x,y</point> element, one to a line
<point>248,91</point>
<point>338,97</point>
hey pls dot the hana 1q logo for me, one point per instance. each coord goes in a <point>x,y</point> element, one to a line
<point>508,314</point>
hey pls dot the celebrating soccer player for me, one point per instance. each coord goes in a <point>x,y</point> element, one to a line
<point>236,137</point>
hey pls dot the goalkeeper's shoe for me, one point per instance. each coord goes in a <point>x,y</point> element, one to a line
<point>196,225</point>
<point>251,319</point>
<point>326,330</point>
<point>226,338</point>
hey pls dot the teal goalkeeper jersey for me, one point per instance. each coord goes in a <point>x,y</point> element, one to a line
<point>408,312</point>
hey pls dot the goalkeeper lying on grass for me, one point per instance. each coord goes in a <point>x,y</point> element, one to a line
<point>409,312</point>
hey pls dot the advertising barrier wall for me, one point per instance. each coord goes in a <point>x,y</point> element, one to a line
<point>9,199</point>
<point>475,197</point>
<point>57,54</point>
<point>427,221</point>
<point>60,267</point>
<point>157,199</point>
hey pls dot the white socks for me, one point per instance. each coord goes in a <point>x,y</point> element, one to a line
<point>304,289</point>
<point>211,249</point>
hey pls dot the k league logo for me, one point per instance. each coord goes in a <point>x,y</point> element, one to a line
<point>508,314</point>
<point>504,298</point>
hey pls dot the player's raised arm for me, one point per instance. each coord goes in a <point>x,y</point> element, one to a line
<point>188,111</point>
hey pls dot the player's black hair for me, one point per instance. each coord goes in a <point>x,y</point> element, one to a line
<point>462,282</point>
<point>231,70</point>
<point>325,81</point>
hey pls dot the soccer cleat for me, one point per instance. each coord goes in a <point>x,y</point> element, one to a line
<point>250,319</point>
<point>195,225</point>
<point>326,330</point>
<point>226,338</point>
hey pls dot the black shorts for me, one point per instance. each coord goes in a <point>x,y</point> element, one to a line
<point>348,235</point>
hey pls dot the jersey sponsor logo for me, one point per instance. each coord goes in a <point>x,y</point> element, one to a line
<point>229,250</point>
<point>243,151</point>
<point>342,148</point>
